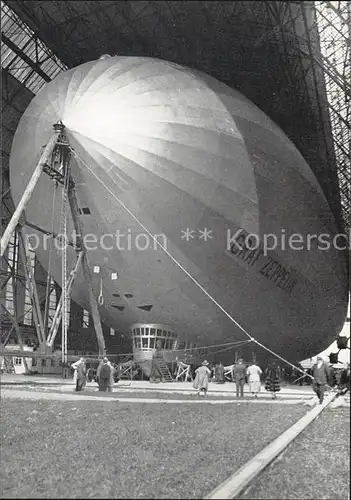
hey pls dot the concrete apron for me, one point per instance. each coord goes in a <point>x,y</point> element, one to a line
<point>228,390</point>
<point>25,393</point>
<point>242,478</point>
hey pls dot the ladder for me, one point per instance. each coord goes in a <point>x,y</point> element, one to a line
<point>162,367</point>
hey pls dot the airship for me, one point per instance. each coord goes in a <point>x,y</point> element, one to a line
<point>198,213</point>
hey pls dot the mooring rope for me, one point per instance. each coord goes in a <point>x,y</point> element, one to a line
<point>217,345</point>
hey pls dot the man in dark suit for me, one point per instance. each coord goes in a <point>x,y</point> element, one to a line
<point>81,375</point>
<point>321,376</point>
<point>239,373</point>
<point>344,384</point>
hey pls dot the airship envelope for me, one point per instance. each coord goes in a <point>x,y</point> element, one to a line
<point>162,153</point>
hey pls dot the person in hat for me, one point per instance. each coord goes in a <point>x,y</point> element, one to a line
<point>104,375</point>
<point>219,373</point>
<point>272,382</point>
<point>239,372</point>
<point>202,376</point>
<point>74,366</point>
<point>321,377</point>
<point>344,383</point>
<point>81,375</point>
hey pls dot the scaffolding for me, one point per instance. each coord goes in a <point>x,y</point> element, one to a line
<point>56,148</point>
<point>334,27</point>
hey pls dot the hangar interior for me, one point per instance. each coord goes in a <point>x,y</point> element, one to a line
<point>292,59</point>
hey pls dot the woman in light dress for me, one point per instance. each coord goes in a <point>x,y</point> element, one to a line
<point>201,379</point>
<point>254,374</point>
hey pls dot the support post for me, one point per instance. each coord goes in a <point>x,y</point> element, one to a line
<point>57,317</point>
<point>4,283</point>
<point>5,339</point>
<point>87,274</point>
<point>94,309</point>
<point>14,318</point>
<point>49,289</point>
<point>49,148</point>
<point>38,319</point>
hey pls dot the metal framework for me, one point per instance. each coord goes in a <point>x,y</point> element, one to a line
<point>319,70</point>
<point>56,148</point>
<point>334,26</point>
<point>27,64</point>
<point>23,53</point>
